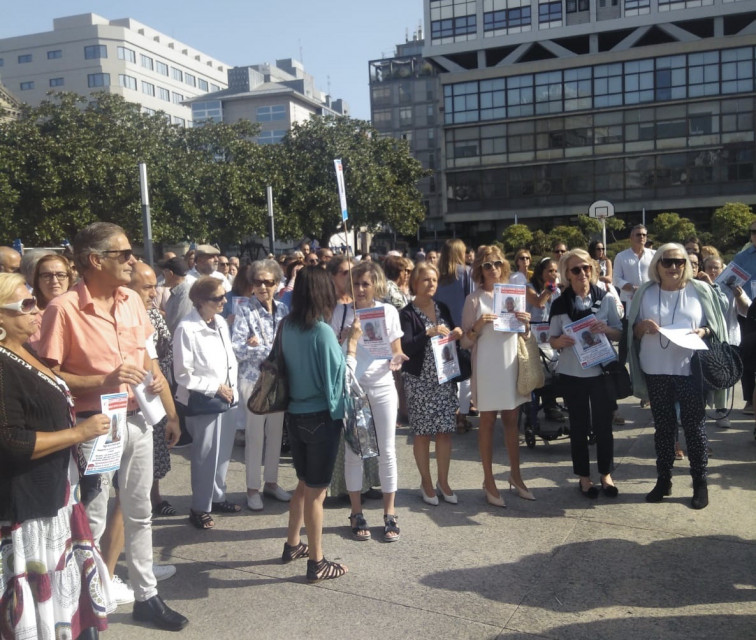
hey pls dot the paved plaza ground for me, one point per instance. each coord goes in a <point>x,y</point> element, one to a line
<point>560,567</point>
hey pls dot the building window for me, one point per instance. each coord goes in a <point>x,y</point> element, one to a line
<point>190,79</point>
<point>178,98</point>
<point>164,94</point>
<point>124,53</point>
<point>147,62</point>
<point>179,121</point>
<point>548,92</point>
<point>26,86</point>
<point>578,92</point>
<point>23,59</point>
<point>148,88</point>
<point>703,74</point>
<point>405,115</point>
<point>637,7</point>
<point>671,78</point>
<point>55,54</point>
<point>177,74</point>
<point>607,85</point>
<point>148,111</point>
<point>492,99</point>
<point>202,84</point>
<point>271,137</point>
<point>127,82</point>
<point>507,20</point>
<point>56,82</point>
<point>519,96</point>
<point>737,70</point>
<point>211,110</point>
<point>98,80</point>
<point>161,68</point>
<point>461,103</point>
<point>271,113</point>
<point>94,51</point>
<point>549,15</point>
<point>639,81</point>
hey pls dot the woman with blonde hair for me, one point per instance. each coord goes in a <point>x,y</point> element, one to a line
<point>523,272</point>
<point>494,370</point>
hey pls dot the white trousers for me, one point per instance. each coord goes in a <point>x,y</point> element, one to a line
<point>212,444</point>
<point>262,441</point>
<point>134,484</point>
<point>384,403</point>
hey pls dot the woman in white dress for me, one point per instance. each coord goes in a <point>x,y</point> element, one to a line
<point>494,370</point>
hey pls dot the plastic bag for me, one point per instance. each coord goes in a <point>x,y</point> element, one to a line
<point>359,427</point>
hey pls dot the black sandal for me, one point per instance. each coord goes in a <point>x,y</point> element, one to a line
<point>389,526</point>
<point>226,507</point>
<point>165,508</point>
<point>290,553</point>
<point>360,529</point>
<point>201,519</point>
<point>324,570</point>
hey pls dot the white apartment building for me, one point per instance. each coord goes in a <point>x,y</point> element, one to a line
<point>87,53</point>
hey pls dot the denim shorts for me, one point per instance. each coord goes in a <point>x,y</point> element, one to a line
<point>314,440</point>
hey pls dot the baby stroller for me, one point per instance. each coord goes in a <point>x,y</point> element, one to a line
<point>554,424</point>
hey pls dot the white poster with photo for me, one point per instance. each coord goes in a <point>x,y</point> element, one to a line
<point>107,449</point>
<point>541,332</point>
<point>508,298</point>
<point>445,356</point>
<point>733,276</point>
<point>590,348</point>
<point>150,403</point>
<point>374,336</point>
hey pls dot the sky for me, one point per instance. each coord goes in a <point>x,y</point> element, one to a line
<point>334,40</point>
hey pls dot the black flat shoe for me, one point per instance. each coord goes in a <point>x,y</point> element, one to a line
<point>592,492</point>
<point>610,491</point>
<point>159,614</point>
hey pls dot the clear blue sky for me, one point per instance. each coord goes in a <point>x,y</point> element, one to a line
<point>336,39</point>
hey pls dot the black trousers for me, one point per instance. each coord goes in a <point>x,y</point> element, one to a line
<point>589,404</point>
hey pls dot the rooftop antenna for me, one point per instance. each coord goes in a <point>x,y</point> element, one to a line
<point>328,84</point>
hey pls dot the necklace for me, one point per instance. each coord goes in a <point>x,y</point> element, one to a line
<point>674,311</point>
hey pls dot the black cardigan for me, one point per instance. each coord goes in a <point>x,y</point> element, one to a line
<point>414,339</point>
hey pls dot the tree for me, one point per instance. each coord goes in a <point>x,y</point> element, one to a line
<point>380,177</point>
<point>670,227</point>
<point>571,236</point>
<point>730,224</point>
<point>517,236</point>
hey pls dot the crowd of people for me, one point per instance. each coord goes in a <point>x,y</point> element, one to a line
<point>75,330</point>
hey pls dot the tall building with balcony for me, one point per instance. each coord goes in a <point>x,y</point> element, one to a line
<point>276,96</point>
<point>87,53</point>
<point>404,104</point>
<point>549,105</point>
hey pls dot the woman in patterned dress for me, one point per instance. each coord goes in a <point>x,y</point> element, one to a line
<point>53,581</point>
<point>432,405</point>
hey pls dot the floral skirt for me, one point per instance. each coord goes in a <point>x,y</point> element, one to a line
<point>53,580</point>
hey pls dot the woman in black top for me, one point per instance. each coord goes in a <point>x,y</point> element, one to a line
<point>48,549</point>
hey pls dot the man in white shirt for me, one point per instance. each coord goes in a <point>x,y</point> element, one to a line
<point>206,264</point>
<point>631,265</point>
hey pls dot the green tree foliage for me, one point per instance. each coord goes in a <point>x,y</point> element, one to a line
<point>380,177</point>
<point>670,227</point>
<point>571,236</point>
<point>517,236</point>
<point>730,224</point>
<point>539,245</point>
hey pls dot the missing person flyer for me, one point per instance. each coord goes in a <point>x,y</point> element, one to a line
<point>374,336</point>
<point>733,276</point>
<point>590,348</point>
<point>541,332</point>
<point>107,448</point>
<point>508,298</point>
<point>445,357</point>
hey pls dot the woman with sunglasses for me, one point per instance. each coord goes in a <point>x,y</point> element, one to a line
<point>205,371</point>
<point>590,403</point>
<point>661,370</point>
<point>40,507</point>
<point>523,272</point>
<point>494,370</point>
<point>598,252</point>
<point>252,336</point>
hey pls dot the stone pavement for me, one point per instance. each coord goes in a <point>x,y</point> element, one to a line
<point>560,567</point>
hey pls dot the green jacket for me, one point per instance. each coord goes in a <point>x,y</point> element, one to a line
<point>715,321</point>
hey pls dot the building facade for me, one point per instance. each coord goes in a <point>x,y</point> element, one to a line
<point>404,100</point>
<point>10,106</point>
<point>551,105</point>
<point>276,96</point>
<point>87,53</point>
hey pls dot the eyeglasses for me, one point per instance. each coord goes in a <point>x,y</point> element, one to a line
<point>53,275</point>
<point>122,255</point>
<point>27,305</point>
<point>216,299</point>
<point>560,251</point>
<point>487,266</point>
<point>677,263</point>
<point>584,268</point>
<point>267,283</point>
<point>407,270</point>
<point>223,264</point>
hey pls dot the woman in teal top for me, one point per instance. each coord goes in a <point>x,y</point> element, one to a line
<point>315,367</point>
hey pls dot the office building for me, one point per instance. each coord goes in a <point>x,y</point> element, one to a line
<point>549,105</point>
<point>87,53</point>
<point>10,106</point>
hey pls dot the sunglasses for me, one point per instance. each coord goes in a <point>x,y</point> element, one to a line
<point>123,255</point>
<point>267,283</point>
<point>490,265</point>
<point>53,275</point>
<point>223,264</point>
<point>599,248</point>
<point>583,268</point>
<point>216,299</point>
<point>677,263</point>
<point>27,305</point>
<point>560,251</point>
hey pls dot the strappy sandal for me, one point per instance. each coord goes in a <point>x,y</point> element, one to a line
<point>360,529</point>
<point>290,553</point>
<point>324,570</point>
<point>226,507</point>
<point>165,508</point>
<point>389,527</point>
<point>201,519</point>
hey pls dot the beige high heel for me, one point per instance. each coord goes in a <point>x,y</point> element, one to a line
<point>521,491</point>
<point>493,500</point>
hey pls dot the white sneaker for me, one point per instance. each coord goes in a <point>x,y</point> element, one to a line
<point>278,493</point>
<point>163,571</point>
<point>122,593</point>
<point>254,502</point>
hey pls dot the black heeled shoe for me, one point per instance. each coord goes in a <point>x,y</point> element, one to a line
<point>610,491</point>
<point>663,488</point>
<point>591,492</point>
<point>700,493</point>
